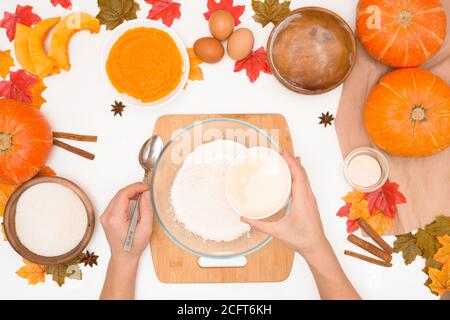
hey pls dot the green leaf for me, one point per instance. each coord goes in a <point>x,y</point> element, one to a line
<point>270,11</point>
<point>406,243</point>
<point>439,227</point>
<point>115,12</point>
<point>431,263</point>
<point>427,243</point>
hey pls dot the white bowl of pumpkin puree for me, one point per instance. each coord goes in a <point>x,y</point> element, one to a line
<point>146,63</point>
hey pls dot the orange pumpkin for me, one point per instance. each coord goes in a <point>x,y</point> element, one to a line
<point>25,141</point>
<point>401,33</point>
<point>408,113</point>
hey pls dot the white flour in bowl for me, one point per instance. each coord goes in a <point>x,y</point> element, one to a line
<point>198,192</point>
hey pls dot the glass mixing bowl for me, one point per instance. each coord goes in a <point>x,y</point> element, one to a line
<point>170,161</point>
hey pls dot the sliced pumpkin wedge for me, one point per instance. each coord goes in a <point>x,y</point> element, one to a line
<point>64,30</point>
<point>21,48</point>
<point>43,64</point>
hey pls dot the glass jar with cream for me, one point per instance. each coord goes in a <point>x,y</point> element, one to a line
<point>366,169</point>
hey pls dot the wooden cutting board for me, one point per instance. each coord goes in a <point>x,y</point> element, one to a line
<point>271,263</point>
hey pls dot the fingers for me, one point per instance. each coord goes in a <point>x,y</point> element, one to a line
<point>300,182</point>
<point>269,228</point>
<point>122,199</point>
<point>146,211</point>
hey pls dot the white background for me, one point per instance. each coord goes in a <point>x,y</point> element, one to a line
<point>79,101</point>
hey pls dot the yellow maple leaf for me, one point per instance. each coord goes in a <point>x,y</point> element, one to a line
<point>359,209</point>
<point>380,222</point>
<point>6,62</point>
<point>34,273</point>
<point>443,254</point>
<point>195,72</point>
<point>36,93</point>
<point>353,196</point>
<point>440,279</point>
<point>6,191</point>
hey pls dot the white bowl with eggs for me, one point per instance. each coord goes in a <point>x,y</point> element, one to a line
<point>258,183</point>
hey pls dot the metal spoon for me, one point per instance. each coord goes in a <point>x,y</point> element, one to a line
<point>148,155</point>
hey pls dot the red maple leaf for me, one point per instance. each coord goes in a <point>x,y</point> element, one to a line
<point>18,86</point>
<point>385,199</point>
<point>167,10</point>
<point>227,5</point>
<point>352,226</point>
<point>23,15</point>
<point>344,211</point>
<point>254,63</point>
<point>66,4</point>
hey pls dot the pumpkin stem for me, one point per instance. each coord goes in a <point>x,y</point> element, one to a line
<point>404,18</point>
<point>5,141</point>
<point>419,114</point>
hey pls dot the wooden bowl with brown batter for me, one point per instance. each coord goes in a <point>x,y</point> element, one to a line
<point>312,50</point>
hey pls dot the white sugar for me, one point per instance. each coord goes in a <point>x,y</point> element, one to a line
<point>51,219</point>
<point>198,192</point>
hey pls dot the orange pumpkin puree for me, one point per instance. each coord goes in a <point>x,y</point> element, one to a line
<point>145,63</point>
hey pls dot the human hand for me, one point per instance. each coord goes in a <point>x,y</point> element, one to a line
<point>115,223</point>
<point>301,229</point>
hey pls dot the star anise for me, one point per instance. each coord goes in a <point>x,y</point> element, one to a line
<point>89,258</point>
<point>117,108</point>
<point>326,119</point>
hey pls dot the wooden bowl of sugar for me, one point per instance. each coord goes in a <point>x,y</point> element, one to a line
<point>49,220</point>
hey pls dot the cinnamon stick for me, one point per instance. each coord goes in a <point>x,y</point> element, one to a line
<point>75,150</point>
<point>73,136</point>
<point>368,259</point>
<point>363,244</point>
<point>375,236</point>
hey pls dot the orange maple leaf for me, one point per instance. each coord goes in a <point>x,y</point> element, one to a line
<point>195,72</point>
<point>440,279</point>
<point>380,222</point>
<point>36,93</point>
<point>34,273</point>
<point>6,62</point>
<point>443,254</point>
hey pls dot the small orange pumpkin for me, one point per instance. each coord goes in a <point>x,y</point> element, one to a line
<point>401,33</point>
<point>408,113</point>
<point>25,141</point>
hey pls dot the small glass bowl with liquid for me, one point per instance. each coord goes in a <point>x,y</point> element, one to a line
<point>366,169</point>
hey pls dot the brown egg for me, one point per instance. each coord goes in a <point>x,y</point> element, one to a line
<point>209,50</point>
<point>240,44</point>
<point>221,24</point>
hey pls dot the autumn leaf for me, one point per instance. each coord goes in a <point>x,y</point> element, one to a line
<point>427,243</point>
<point>66,4</point>
<point>6,62</point>
<point>34,273</point>
<point>62,271</point>
<point>36,93</point>
<point>379,222</point>
<point>352,226</point>
<point>45,172</point>
<point>359,210</point>
<point>268,11</point>
<point>195,72</point>
<point>254,64</point>
<point>344,211</point>
<point>439,227</point>
<point>443,253</point>
<point>353,196</point>
<point>406,244</point>
<point>227,5</point>
<point>23,15</point>
<point>385,199</point>
<point>18,86</point>
<point>166,10</point>
<point>6,190</point>
<point>440,279</point>
<point>114,12</point>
